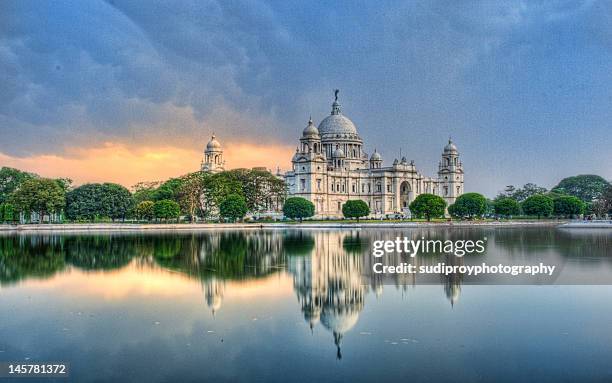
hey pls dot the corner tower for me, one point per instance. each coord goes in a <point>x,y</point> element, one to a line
<point>450,174</point>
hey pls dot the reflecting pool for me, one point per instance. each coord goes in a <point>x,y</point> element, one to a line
<point>304,305</point>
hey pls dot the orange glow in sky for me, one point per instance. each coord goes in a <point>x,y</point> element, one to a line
<point>116,162</point>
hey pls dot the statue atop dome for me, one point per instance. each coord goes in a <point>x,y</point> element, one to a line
<point>336,94</point>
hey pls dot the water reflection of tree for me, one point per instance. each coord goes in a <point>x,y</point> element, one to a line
<point>29,257</point>
<point>227,255</point>
<point>100,252</point>
<point>556,246</point>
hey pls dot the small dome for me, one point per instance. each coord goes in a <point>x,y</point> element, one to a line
<point>310,130</point>
<point>338,153</point>
<point>213,144</point>
<point>375,156</point>
<point>451,147</point>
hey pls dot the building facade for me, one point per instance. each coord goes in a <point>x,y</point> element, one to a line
<point>330,166</point>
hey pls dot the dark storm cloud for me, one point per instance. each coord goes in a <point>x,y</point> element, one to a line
<point>515,83</point>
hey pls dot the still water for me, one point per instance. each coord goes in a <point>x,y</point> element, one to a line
<point>283,305</point>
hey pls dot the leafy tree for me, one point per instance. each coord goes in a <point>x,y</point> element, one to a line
<point>468,205</point>
<point>144,191</point>
<point>600,208</point>
<point>145,210</point>
<point>298,208</point>
<point>428,206</point>
<point>190,193</point>
<point>233,207</point>
<point>528,190</point>
<point>507,207</point>
<point>215,188</point>
<point>10,180</point>
<point>587,187</point>
<point>538,205</point>
<point>91,201</point>
<point>166,209</point>
<point>568,206</point>
<point>85,202</point>
<point>355,209</point>
<point>117,200</point>
<point>41,195</point>
<point>7,212</point>
<point>606,198</point>
<point>168,190</point>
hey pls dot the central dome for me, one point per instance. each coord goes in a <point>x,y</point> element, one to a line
<point>337,124</point>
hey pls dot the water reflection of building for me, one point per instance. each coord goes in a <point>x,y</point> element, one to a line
<point>213,293</point>
<point>329,286</point>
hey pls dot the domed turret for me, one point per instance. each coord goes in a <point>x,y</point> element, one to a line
<point>375,160</point>
<point>450,147</point>
<point>213,144</point>
<point>213,156</point>
<point>310,130</point>
<point>375,156</point>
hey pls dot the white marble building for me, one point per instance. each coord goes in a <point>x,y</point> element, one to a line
<point>330,167</point>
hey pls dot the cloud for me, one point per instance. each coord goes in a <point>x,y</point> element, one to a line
<point>516,81</point>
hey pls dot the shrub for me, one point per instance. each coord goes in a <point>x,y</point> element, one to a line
<point>468,205</point>
<point>298,208</point>
<point>506,207</point>
<point>355,209</point>
<point>145,210</point>
<point>428,206</point>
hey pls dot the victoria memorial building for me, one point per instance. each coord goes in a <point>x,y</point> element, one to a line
<point>330,166</point>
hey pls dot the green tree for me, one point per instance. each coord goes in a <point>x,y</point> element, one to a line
<point>190,193</point>
<point>506,207</point>
<point>233,207</point>
<point>522,194</point>
<point>428,206</point>
<point>355,209</point>
<point>7,212</point>
<point>468,205</point>
<point>168,190</point>
<point>91,201</point>
<point>166,209</point>
<point>587,187</point>
<point>145,210</point>
<point>568,206</point>
<point>215,188</point>
<point>298,208</point>
<point>41,195</point>
<point>10,180</point>
<point>600,208</point>
<point>117,200</point>
<point>144,191</point>
<point>538,205</point>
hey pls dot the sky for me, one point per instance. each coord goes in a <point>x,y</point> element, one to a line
<point>130,91</point>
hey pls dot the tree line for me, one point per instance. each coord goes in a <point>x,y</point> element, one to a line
<point>573,196</point>
<point>194,196</point>
<point>230,195</point>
